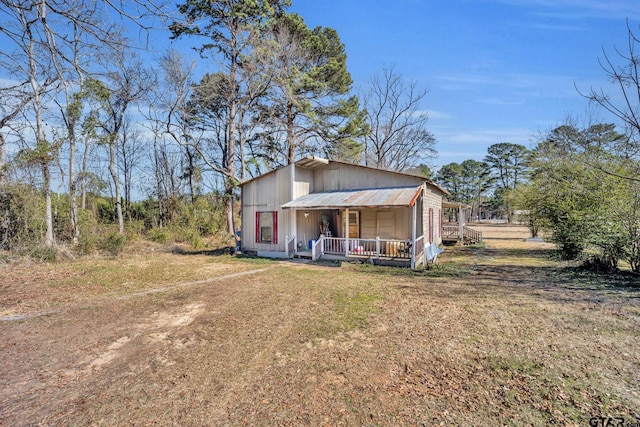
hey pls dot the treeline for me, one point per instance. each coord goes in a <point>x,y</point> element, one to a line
<point>87,128</point>
<point>578,184</point>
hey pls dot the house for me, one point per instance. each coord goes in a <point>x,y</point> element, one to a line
<point>326,209</point>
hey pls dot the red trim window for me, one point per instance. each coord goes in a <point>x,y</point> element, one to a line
<point>431,225</point>
<point>267,227</point>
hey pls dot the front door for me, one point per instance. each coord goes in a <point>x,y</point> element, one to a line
<point>354,225</point>
<point>386,225</point>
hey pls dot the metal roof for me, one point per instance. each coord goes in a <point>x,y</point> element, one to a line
<point>312,162</point>
<point>368,198</point>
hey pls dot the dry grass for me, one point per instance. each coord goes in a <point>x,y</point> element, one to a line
<point>500,334</point>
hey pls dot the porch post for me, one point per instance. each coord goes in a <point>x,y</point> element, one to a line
<point>413,237</point>
<point>346,228</point>
<point>294,212</point>
<point>461,224</point>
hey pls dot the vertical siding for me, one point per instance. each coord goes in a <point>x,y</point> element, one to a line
<point>266,194</point>
<point>274,189</point>
<point>432,199</point>
<point>350,177</point>
<point>303,183</point>
<point>308,228</point>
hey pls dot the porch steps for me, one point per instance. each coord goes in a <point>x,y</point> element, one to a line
<point>451,234</point>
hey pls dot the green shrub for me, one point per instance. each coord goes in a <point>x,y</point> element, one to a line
<point>43,253</point>
<point>158,235</point>
<point>113,243</point>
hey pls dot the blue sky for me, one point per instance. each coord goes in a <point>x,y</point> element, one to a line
<point>496,70</point>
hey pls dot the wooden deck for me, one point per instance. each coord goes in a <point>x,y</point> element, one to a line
<point>451,234</point>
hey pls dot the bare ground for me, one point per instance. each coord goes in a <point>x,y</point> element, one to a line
<point>495,335</point>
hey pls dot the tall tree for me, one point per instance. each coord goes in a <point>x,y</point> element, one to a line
<point>28,60</point>
<point>468,182</point>
<point>399,137</point>
<point>508,163</point>
<point>226,26</point>
<point>585,207</point>
<point>309,102</point>
<point>125,85</point>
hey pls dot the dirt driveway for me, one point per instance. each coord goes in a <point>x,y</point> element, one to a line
<point>497,335</point>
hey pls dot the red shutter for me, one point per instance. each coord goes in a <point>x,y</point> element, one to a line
<point>257,227</point>
<point>440,223</point>
<point>275,228</point>
<point>430,225</point>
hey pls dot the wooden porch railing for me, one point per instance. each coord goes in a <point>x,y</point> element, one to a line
<point>291,246</point>
<point>472,236</point>
<point>452,232</point>
<point>374,248</point>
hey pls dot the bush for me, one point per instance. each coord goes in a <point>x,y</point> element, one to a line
<point>158,235</point>
<point>43,253</point>
<point>600,264</point>
<point>113,243</point>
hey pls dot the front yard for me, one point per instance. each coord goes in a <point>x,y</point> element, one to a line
<point>501,334</point>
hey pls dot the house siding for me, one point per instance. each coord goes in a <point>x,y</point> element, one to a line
<point>338,176</point>
<point>266,194</point>
<point>431,199</point>
<point>269,192</point>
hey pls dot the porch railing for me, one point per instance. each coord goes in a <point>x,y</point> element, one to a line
<point>419,253</point>
<point>452,232</point>
<point>374,248</point>
<point>291,246</point>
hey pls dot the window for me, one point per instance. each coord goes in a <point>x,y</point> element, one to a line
<point>267,227</point>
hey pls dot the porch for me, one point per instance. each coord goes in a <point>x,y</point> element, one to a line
<point>458,232</point>
<point>378,251</point>
<point>382,226</point>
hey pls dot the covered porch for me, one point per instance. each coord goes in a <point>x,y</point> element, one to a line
<point>382,226</point>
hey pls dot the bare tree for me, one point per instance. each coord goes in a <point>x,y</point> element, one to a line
<point>28,60</point>
<point>173,97</point>
<point>14,100</point>
<point>624,105</point>
<point>124,85</point>
<point>399,138</point>
<point>130,151</point>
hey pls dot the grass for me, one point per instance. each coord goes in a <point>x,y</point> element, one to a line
<point>503,334</point>
<point>351,311</point>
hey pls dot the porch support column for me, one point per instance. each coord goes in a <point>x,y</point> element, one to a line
<point>346,230</point>
<point>413,236</point>
<point>461,224</point>
<point>294,212</point>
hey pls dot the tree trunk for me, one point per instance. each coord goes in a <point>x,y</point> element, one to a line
<point>73,201</point>
<point>46,191</point>
<point>231,170</point>
<point>158,183</point>
<point>83,184</point>
<point>3,162</point>
<point>291,144</point>
<point>116,185</point>
<point>4,197</point>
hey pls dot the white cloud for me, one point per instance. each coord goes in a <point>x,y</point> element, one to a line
<point>438,115</point>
